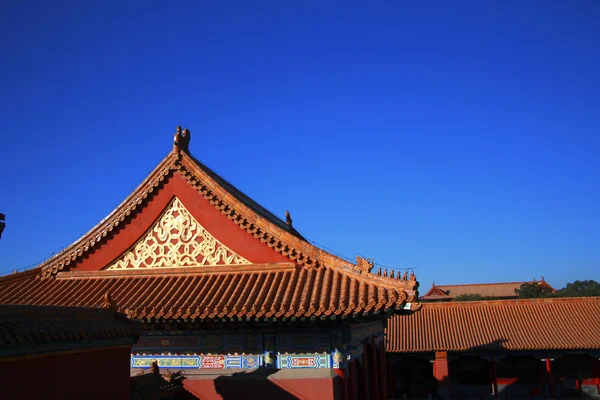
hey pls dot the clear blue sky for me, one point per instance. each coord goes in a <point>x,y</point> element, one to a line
<point>458,137</point>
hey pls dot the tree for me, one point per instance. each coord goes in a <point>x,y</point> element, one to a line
<point>473,297</point>
<point>579,289</point>
<point>533,290</point>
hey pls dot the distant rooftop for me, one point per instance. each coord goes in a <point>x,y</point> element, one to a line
<point>500,290</point>
<point>498,325</point>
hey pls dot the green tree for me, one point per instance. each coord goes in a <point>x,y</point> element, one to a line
<point>473,297</point>
<point>533,290</point>
<point>579,289</point>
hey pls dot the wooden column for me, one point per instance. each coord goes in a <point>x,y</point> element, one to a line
<point>597,374</point>
<point>391,379</point>
<point>441,374</point>
<point>348,382</point>
<point>549,376</point>
<point>373,370</point>
<point>493,377</point>
<point>342,383</point>
<point>364,375</point>
<point>353,381</point>
<point>383,374</point>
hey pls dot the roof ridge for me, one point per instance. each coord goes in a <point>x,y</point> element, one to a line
<point>486,284</point>
<point>505,302</point>
<point>11,276</point>
<point>124,210</point>
<point>175,271</point>
<point>255,203</point>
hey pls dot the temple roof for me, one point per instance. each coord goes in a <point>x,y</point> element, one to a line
<point>499,290</point>
<point>213,238</point>
<point>243,291</point>
<point>516,325</point>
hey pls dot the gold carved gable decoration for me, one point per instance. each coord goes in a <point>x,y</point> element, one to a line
<point>177,240</point>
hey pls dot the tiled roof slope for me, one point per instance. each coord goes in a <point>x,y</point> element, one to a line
<point>501,289</point>
<point>517,325</point>
<point>246,291</point>
<point>316,281</point>
<point>24,329</point>
<point>253,205</point>
<point>232,203</point>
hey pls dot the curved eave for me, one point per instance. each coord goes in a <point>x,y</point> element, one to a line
<point>253,292</point>
<point>102,231</point>
<point>281,240</point>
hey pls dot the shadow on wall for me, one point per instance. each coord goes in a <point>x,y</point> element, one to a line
<point>153,385</point>
<point>493,346</point>
<point>519,375</point>
<point>252,384</point>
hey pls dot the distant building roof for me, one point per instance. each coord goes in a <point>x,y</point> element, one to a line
<point>516,325</point>
<point>498,290</point>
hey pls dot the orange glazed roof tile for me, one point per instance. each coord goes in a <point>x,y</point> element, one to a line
<point>517,325</point>
<point>245,291</point>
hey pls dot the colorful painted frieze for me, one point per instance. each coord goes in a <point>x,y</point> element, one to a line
<point>166,361</point>
<point>289,361</point>
<point>197,362</point>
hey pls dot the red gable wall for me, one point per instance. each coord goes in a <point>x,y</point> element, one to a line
<point>223,229</point>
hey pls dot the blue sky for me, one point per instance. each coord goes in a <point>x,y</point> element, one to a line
<point>461,138</point>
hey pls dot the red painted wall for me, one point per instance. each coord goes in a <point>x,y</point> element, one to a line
<point>99,374</point>
<point>225,230</point>
<point>270,389</point>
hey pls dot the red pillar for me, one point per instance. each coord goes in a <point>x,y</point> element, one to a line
<point>549,375</point>
<point>364,378</point>
<point>597,374</point>
<point>341,383</point>
<point>351,381</point>
<point>348,382</point>
<point>391,379</point>
<point>355,378</point>
<point>493,377</point>
<point>374,369</point>
<point>382,372</point>
<point>441,373</point>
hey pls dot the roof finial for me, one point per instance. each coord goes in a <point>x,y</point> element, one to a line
<point>109,302</point>
<point>181,140</point>
<point>2,224</point>
<point>288,218</point>
<point>364,265</point>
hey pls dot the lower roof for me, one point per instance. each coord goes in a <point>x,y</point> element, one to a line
<point>241,291</point>
<point>515,325</point>
<point>35,329</point>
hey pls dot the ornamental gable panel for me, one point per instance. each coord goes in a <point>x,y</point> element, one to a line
<point>177,240</point>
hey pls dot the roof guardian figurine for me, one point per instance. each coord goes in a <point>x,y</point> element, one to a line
<point>181,140</point>
<point>2,224</point>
